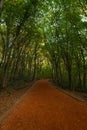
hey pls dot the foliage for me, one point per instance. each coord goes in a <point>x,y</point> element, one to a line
<point>44,39</point>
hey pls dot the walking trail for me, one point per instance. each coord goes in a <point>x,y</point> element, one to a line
<point>46,108</point>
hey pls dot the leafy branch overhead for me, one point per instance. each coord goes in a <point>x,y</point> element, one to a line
<point>44,39</point>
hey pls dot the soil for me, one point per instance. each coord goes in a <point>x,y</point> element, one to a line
<point>44,107</point>
<point>81,96</point>
<point>9,97</point>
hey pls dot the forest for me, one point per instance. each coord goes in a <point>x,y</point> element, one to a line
<point>44,39</point>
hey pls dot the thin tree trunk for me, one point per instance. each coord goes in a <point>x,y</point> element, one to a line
<point>70,78</point>
<point>60,73</point>
<point>1,5</point>
<point>35,58</point>
<point>84,75</point>
<point>78,69</point>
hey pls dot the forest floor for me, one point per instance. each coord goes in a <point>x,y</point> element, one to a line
<point>44,107</point>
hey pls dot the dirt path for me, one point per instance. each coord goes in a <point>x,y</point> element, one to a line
<point>46,108</point>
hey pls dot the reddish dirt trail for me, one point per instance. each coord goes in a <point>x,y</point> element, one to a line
<point>46,108</point>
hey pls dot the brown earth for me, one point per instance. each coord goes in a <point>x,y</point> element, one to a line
<point>9,97</point>
<point>46,108</point>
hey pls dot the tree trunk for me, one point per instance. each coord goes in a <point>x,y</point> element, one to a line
<point>60,73</point>
<point>84,69</point>
<point>35,58</point>
<point>84,75</point>
<point>34,72</point>
<point>1,5</point>
<point>70,78</point>
<point>68,64</point>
